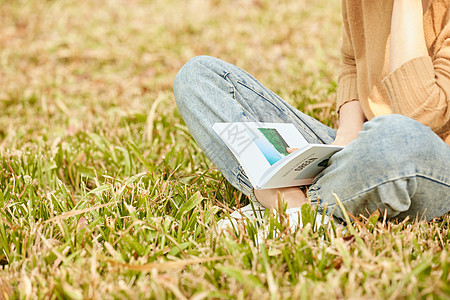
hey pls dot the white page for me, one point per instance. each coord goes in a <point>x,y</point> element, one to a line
<point>251,147</point>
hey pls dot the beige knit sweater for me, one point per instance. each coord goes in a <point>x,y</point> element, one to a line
<point>419,89</point>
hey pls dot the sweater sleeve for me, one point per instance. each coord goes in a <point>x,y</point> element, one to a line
<point>420,88</point>
<point>347,88</point>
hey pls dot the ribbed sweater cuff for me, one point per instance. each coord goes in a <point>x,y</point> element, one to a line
<point>347,90</point>
<point>408,86</point>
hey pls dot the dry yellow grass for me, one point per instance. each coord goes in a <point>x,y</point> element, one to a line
<point>67,65</point>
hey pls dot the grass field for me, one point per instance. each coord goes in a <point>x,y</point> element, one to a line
<point>104,194</point>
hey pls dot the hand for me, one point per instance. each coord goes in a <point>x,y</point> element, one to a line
<point>290,150</point>
<point>345,138</point>
<point>351,120</point>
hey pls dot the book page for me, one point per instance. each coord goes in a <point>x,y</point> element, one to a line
<point>258,146</point>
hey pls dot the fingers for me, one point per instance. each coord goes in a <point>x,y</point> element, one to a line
<point>290,150</point>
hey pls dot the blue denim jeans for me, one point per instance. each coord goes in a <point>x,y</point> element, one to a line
<point>396,164</point>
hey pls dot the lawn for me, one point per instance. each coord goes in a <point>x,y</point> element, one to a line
<point>104,194</point>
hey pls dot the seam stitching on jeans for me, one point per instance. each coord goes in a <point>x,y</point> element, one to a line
<point>243,183</point>
<point>433,179</point>
<point>240,177</point>
<point>225,76</point>
<point>403,176</point>
<point>267,99</point>
<point>384,182</point>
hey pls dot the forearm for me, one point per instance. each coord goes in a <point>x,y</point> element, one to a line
<point>407,34</point>
<point>418,85</point>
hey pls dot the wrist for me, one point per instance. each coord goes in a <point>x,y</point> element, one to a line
<point>351,116</point>
<point>351,120</point>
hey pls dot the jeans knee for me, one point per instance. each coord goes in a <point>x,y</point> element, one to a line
<point>189,76</point>
<point>191,70</point>
<point>389,125</point>
<point>402,135</point>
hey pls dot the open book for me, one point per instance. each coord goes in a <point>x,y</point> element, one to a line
<point>260,148</point>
